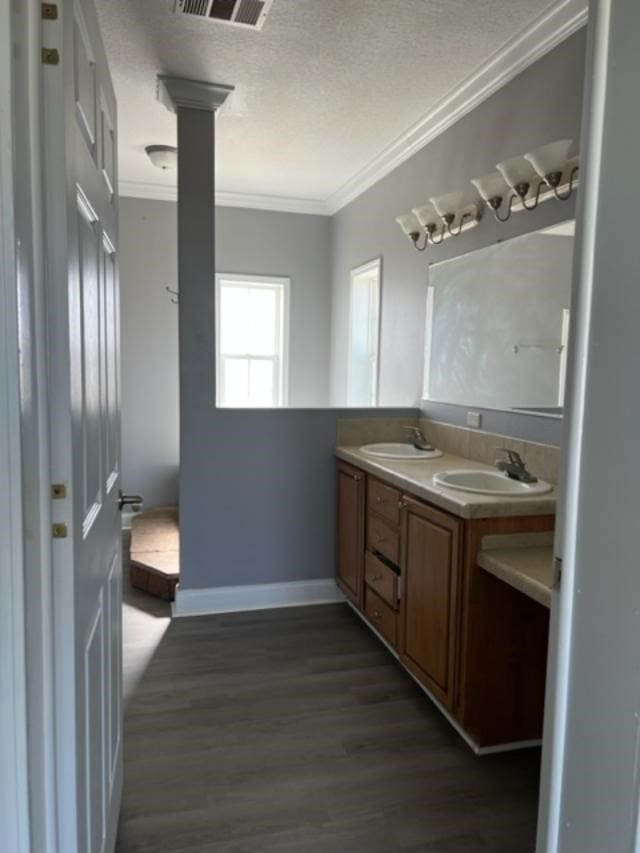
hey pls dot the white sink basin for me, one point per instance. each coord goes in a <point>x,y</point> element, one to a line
<point>490,483</point>
<point>397,450</point>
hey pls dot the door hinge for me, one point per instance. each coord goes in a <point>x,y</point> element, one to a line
<point>50,56</point>
<point>49,12</point>
<point>58,491</point>
<point>59,531</point>
<point>557,572</point>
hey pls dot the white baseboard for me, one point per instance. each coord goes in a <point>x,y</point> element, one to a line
<point>229,599</point>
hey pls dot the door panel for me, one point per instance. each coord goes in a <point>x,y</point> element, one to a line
<point>431,565</point>
<point>114,666</point>
<point>84,82</point>
<point>350,534</point>
<point>107,147</point>
<point>110,377</point>
<point>94,671</point>
<point>89,285</point>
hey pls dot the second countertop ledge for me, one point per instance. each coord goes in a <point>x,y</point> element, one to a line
<point>416,478</point>
<point>522,560</point>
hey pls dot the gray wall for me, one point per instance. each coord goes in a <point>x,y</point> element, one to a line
<point>247,241</point>
<point>295,245</point>
<point>149,340</point>
<point>540,105</point>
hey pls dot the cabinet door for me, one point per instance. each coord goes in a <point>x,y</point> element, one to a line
<point>350,533</point>
<point>430,571</point>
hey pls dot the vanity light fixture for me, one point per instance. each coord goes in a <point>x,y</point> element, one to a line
<point>551,163</point>
<point>427,216</point>
<point>412,228</point>
<point>523,182</point>
<point>451,209</point>
<point>493,188</point>
<point>519,174</point>
<point>163,157</point>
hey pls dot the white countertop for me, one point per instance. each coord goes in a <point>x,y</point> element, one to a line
<point>524,561</point>
<point>416,477</point>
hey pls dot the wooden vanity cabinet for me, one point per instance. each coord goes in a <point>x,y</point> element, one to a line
<point>477,645</point>
<point>502,646</point>
<point>350,533</point>
<point>430,570</point>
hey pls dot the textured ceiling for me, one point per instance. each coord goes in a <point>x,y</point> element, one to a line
<point>320,91</point>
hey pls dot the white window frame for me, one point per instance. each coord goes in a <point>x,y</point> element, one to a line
<point>267,281</point>
<point>374,331</point>
<point>428,341</point>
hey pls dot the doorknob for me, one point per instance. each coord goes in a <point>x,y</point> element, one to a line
<point>128,500</point>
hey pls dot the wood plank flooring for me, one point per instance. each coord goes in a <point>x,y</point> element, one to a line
<point>295,731</point>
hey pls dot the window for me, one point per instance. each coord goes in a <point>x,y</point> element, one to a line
<point>252,334</point>
<point>364,335</point>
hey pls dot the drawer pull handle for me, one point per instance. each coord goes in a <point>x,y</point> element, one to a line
<point>379,538</point>
<point>376,578</point>
<point>377,614</point>
<point>356,477</point>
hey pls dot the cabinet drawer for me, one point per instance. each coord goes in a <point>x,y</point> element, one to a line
<point>381,616</point>
<point>382,579</point>
<point>384,500</point>
<point>382,537</point>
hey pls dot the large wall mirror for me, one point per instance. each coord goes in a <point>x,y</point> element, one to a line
<point>498,322</point>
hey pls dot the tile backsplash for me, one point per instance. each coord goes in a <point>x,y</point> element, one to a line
<point>354,432</point>
<point>543,460</point>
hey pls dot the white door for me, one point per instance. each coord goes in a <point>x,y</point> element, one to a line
<point>79,146</point>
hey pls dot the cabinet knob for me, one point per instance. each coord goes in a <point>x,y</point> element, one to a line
<point>376,578</point>
<point>377,614</point>
<point>356,477</point>
<point>379,538</point>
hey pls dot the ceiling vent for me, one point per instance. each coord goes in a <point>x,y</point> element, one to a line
<point>239,13</point>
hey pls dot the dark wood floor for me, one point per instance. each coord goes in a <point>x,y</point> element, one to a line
<point>294,730</point>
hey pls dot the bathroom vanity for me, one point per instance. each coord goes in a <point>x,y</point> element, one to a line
<point>407,560</point>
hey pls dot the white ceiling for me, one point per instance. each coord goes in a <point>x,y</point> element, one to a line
<point>322,91</point>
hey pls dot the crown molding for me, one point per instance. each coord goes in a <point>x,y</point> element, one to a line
<point>560,20</point>
<point>284,204</point>
<point>142,189</point>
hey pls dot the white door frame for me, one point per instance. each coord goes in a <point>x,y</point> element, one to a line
<point>14,796</point>
<point>590,790</point>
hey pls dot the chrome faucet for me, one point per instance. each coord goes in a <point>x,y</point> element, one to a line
<point>419,440</point>
<point>514,467</point>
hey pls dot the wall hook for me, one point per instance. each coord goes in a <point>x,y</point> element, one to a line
<point>174,293</point>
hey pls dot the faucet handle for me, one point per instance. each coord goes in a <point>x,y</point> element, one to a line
<point>512,455</point>
<point>414,430</point>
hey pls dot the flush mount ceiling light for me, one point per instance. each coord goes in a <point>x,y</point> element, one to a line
<point>163,157</point>
<point>522,183</point>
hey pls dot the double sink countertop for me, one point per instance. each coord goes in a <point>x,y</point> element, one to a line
<point>524,561</point>
<point>416,477</point>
